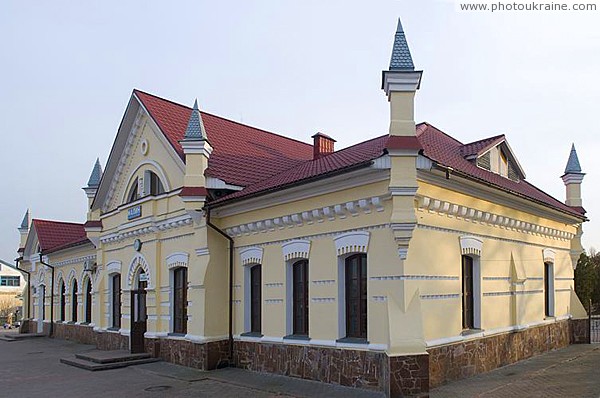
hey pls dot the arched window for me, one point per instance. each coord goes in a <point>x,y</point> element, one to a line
<point>153,184</point>
<point>300,297</point>
<point>74,302</point>
<point>133,192</point>
<point>63,300</point>
<point>88,301</point>
<point>356,296</point>
<point>180,300</point>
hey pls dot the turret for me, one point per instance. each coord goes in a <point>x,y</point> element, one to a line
<point>93,183</point>
<point>400,83</point>
<point>197,151</point>
<point>24,230</point>
<point>572,179</point>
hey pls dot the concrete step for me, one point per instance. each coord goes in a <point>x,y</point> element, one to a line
<point>19,336</point>
<point>99,356</point>
<point>95,366</point>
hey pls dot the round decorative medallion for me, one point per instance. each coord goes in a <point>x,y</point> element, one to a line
<point>137,245</point>
<point>144,147</point>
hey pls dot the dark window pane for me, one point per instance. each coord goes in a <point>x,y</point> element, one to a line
<point>467,291</point>
<point>180,300</point>
<point>300,297</point>
<point>255,299</point>
<point>356,296</point>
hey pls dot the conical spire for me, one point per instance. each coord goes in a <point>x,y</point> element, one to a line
<point>573,165</point>
<point>401,58</point>
<point>25,222</point>
<point>195,128</point>
<point>96,175</point>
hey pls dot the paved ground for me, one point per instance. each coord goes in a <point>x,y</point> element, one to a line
<point>31,368</point>
<point>570,372</point>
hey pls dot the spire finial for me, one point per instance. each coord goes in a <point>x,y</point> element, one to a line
<point>96,175</point>
<point>401,58</point>
<point>573,165</point>
<point>25,222</point>
<point>195,128</point>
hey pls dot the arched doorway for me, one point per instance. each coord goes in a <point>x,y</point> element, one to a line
<point>138,312</point>
<point>88,301</point>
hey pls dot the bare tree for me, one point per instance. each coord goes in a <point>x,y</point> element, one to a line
<point>8,305</point>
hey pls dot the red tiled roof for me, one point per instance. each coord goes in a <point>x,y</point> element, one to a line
<point>262,161</point>
<point>193,191</point>
<point>478,147</point>
<point>448,151</point>
<point>242,155</point>
<point>56,235</point>
<point>354,156</point>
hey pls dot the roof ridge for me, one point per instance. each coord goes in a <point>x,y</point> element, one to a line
<point>221,117</point>
<point>57,222</point>
<point>485,139</point>
<point>440,131</point>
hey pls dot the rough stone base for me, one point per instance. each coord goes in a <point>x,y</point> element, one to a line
<point>461,360</point>
<point>396,376</point>
<point>580,331</point>
<point>205,356</point>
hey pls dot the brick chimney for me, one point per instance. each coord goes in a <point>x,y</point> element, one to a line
<point>323,145</point>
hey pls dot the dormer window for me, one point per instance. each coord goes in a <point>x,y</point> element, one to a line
<point>494,154</point>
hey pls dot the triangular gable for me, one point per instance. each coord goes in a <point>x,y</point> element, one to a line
<point>482,151</point>
<point>121,150</point>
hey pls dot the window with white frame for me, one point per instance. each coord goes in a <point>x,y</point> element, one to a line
<point>471,249</point>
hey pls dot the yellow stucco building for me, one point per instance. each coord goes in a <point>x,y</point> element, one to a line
<point>384,265</point>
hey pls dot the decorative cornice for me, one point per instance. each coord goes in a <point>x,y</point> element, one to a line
<point>135,129</point>
<point>425,203</point>
<point>327,213</point>
<point>352,242</point>
<point>439,296</point>
<point>75,260</point>
<point>153,227</point>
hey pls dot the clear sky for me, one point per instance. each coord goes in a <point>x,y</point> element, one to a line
<point>67,70</point>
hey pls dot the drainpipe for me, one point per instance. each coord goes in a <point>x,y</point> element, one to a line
<point>230,239</point>
<point>51,296</point>
<point>17,261</point>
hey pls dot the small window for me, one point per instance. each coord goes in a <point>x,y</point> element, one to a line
<point>133,192</point>
<point>10,281</point>
<point>548,289</point>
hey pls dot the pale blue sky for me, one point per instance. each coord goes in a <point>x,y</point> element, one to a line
<point>67,69</point>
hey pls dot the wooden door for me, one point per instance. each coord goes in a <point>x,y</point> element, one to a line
<point>138,318</point>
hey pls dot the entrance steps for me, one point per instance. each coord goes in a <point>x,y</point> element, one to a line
<point>104,360</point>
<point>19,336</point>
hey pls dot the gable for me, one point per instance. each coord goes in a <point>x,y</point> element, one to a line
<point>139,147</point>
